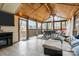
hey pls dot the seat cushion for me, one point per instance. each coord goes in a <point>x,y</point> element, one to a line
<point>52,44</point>
<point>66,46</point>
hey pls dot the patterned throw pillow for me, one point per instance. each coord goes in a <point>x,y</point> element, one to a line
<point>75,43</point>
<point>61,38</point>
<point>68,40</point>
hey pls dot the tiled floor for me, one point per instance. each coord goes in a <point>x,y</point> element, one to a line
<point>31,47</point>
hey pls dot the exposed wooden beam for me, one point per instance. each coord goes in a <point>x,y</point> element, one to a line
<point>76,11</point>
<point>50,8</point>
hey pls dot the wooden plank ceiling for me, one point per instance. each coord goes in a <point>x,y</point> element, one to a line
<point>41,12</point>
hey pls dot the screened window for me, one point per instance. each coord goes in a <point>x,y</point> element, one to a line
<point>57,25</point>
<point>50,26</point>
<point>32,24</point>
<point>63,25</point>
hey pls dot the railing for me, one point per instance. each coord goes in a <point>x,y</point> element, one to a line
<point>32,32</point>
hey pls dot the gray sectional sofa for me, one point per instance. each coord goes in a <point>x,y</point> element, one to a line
<point>57,48</point>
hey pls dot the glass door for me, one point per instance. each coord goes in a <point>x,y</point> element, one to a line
<point>32,28</point>
<point>23,29</point>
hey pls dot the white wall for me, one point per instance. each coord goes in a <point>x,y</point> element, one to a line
<point>10,7</point>
<point>13,29</point>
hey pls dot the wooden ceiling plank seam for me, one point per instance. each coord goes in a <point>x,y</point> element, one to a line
<point>25,5</point>
<point>33,18</point>
<point>22,9</point>
<point>36,9</point>
<point>33,7</point>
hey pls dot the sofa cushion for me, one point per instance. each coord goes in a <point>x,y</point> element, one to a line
<point>72,38</point>
<point>76,50</point>
<point>75,43</point>
<point>52,44</point>
<point>60,38</point>
<point>54,35</point>
<point>66,46</point>
<point>75,47</point>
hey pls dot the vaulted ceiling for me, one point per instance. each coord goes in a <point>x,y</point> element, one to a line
<point>41,11</point>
